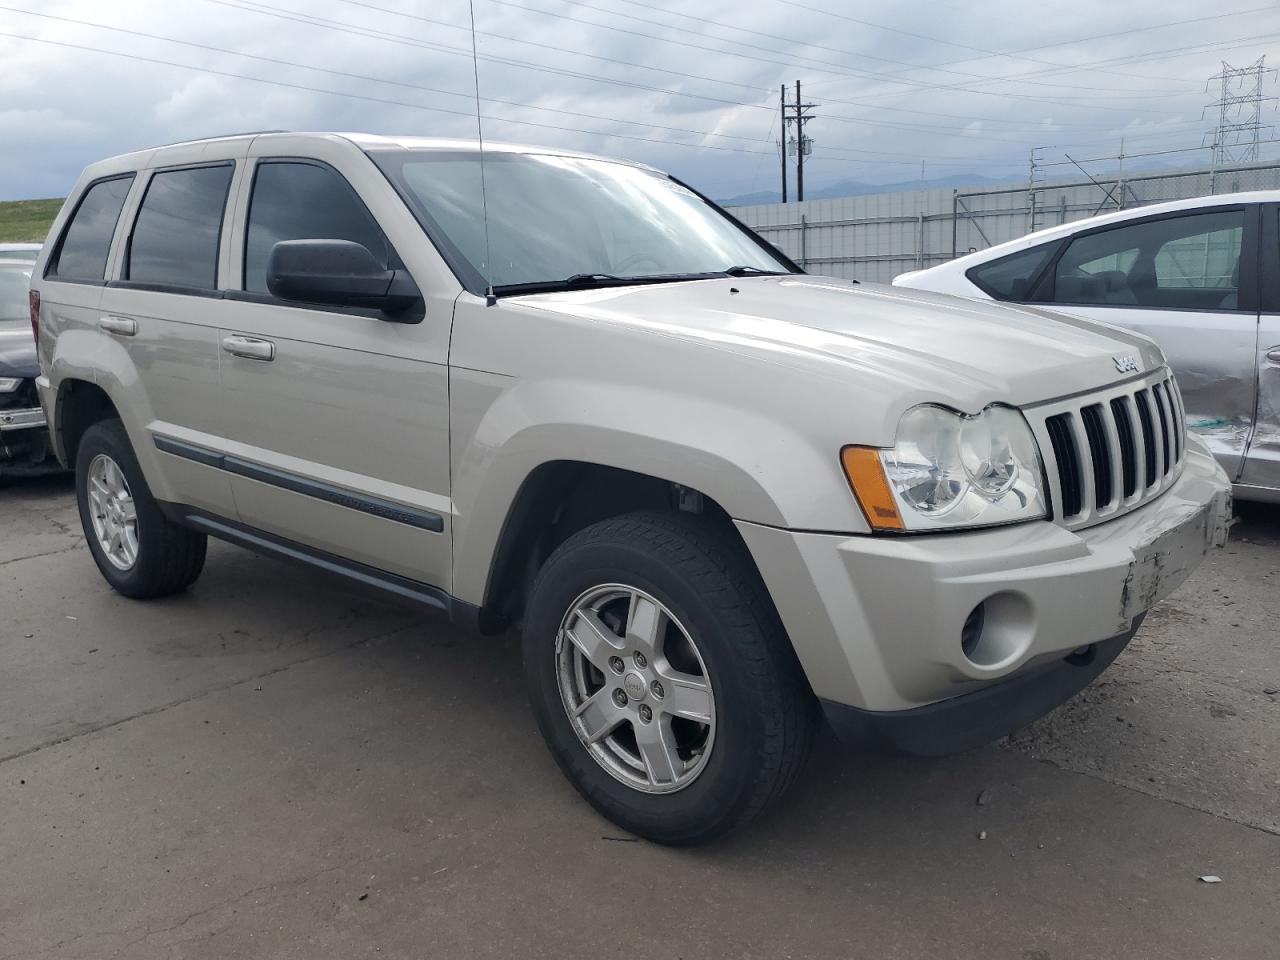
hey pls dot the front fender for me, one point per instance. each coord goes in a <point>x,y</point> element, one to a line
<point>756,467</point>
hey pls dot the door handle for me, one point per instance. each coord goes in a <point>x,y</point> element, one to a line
<point>250,348</point>
<point>124,326</point>
<point>1273,356</point>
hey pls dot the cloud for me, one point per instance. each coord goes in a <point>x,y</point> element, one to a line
<point>615,76</point>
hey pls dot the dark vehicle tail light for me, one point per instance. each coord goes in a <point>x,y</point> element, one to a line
<point>34,299</point>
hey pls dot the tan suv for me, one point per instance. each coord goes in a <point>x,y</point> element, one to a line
<point>722,498</point>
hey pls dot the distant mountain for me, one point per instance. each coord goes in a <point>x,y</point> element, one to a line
<point>856,188</point>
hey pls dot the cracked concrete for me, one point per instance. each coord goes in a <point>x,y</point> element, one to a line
<point>274,767</point>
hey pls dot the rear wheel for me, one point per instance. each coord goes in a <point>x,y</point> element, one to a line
<point>139,551</point>
<point>662,679</point>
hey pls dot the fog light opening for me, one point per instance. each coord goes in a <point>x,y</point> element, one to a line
<point>998,631</point>
<point>971,632</point>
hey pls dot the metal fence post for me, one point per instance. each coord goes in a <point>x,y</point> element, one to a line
<point>804,241</point>
<point>920,244</point>
<point>955,222</point>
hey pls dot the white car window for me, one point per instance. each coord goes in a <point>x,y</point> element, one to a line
<point>1190,262</point>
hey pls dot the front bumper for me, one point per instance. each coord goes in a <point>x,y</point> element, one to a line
<point>24,443</point>
<point>879,622</point>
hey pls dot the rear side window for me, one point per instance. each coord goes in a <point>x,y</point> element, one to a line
<point>1011,277</point>
<point>303,201</point>
<point>1181,263</point>
<point>175,238</point>
<point>82,255</point>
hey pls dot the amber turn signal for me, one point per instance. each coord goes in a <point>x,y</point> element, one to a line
<point>866,476</point>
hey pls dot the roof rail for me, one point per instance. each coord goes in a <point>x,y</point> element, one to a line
<point>216,136</point>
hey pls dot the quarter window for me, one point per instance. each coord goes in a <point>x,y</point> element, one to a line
<point>175,238</point>
<point>87,240</point>
<point>303,201</point>
<point>1011,277</point>
<point>1189,263</point>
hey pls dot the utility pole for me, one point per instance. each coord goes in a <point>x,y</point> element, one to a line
<point>1032,181</point>
<point>800,144</point>
<point>782,143</point>
<point>1239,109</point>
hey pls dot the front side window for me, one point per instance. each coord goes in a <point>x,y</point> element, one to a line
<point>553,219</point>
<point>175,238</point>
<point>82,255</point>
<point>303,201</point>
<point>1190,262</point>
<point>1012,277</point>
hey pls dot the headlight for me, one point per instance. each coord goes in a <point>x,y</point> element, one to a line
<point>947,470</point>
<point>10,384</point>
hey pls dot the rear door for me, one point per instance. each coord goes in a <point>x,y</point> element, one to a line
<point>1262,465</point>
<point>1189,280</point>
<point>163,309</point>
<point>75,272</point>
<point>337,418</point>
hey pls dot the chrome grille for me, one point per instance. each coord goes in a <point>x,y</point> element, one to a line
<point>1109,452</point>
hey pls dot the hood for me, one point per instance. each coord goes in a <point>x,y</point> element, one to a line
<point>17,350</point>
<point>964,352</point>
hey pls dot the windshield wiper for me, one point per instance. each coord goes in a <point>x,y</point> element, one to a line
<point>750,272</point>
<point>587,279</point>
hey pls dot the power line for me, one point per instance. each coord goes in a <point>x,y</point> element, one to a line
<point>357,96</point>
<point>819,46</point>
<point>1109,35</point>
<point>1149,56</point>
<point>263,9</point>
<point>951,43</point>
<point>864,75</point>
<point>360,76</point>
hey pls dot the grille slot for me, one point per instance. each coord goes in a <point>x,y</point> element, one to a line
<point>1128,453</point>
<point>1115,450</point>
<point>1095,431</point>
<point>1068,459</point>
<point>1142,402</point>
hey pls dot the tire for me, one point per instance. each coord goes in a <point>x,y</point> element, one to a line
<point>763,715</point>
<point>166,558</point>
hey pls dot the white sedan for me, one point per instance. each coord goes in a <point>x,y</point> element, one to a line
<point>1201,276</point>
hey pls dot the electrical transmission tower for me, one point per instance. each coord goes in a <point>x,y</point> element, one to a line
<point>799,144</point>
<point>1239,108</point>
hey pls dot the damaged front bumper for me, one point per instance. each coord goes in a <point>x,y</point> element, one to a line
<point>25,449</point>
<point>908,626</point>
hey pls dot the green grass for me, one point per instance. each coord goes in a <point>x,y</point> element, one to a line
<point>26,221</point>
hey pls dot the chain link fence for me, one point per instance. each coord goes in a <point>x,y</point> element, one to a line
<point>878,236</point>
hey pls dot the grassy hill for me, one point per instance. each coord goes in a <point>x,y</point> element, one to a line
<point>26,221</point>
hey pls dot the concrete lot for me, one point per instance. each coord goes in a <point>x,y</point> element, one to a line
<point>272,766</point>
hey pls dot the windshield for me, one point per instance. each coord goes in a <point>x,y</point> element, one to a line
<point>15,281</point>
<point>564,221</point>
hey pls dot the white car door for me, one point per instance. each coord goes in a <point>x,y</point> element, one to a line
<point>1262,464</point>
<point>1181,279</point>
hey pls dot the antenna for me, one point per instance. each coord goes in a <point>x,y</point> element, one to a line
<point>490,299</point>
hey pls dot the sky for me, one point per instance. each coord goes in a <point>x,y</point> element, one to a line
<point>690,86</point>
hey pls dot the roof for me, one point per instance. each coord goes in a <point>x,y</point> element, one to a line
<point>364,141</point>
<point>1118,216</point>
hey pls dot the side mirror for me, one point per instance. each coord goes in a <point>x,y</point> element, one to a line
<point>337,273</point>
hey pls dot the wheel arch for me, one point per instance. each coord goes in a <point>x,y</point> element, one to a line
<point>79,405</point>
<point>560,497</point>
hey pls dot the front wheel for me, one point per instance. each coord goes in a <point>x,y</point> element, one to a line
<point>662,679</point>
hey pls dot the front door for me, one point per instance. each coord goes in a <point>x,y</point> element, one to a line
<point>1181,279</point>
<point>1262,466</point>
<point>337,419</point>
